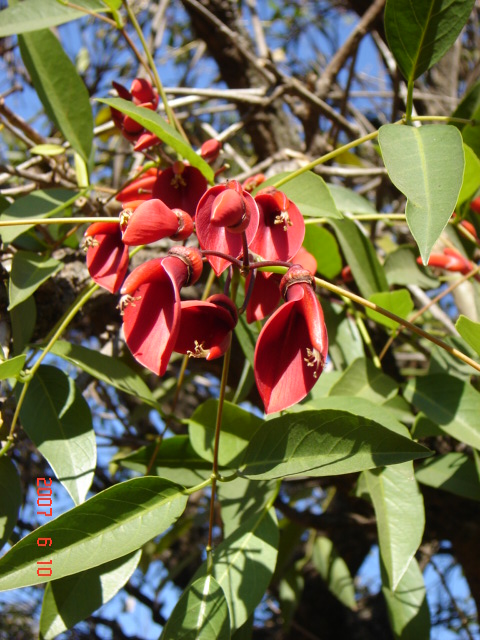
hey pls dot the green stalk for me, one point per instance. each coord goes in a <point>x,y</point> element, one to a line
<point>158,83</point>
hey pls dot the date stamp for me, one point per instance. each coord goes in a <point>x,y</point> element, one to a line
<point>44,508</point>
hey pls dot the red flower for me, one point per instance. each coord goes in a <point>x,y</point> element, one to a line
<point>210,150</point>
<point>264,296</point>
<point>107,256</point>
<point>223,213</point>
<point>253,182</point>
<point>180,187</point>
<point>139,189</point>
<point>475,205</point>
<point>151,305</point>
<point>451,260</point>
<point>141,94</point>
<point>306,260</point>
<point>206,327</point>
<point>281,229</point>
<point>292,347</point>
<point>152,220</point>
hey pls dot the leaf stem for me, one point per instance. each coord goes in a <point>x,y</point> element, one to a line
<point>82,298</point>
<point>409,105</point>
<point>326,158</point>
<point>366,339</point>
<point>216,444</point>
<point>79,220</point>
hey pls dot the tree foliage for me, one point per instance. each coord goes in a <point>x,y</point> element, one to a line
<point>173,433</point>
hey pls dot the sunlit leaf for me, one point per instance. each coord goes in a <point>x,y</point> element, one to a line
<point>241,498</point>
<point>73,598</point>
<point>59,87</point>
<point>47,149</point>
<point>106,368</point>
<point>470,332</point>
<point>400,516</point>
<point>238,426</point>
<point>324,443</point>
<point>40,204</point>
<point>243,564</point>
<point>12,367</point>
<point>362,378</point>
<point>174,459</point>
<point>110,525</point>
<point>401,268</point>
<point>323,246</point>
<point>407,606</point>
<point>57,419</point>
<point>159,126</point>
<point>453,472</point>
<point>29,271</point>
<point>309,192</point>
<point>419,33</point>
<point>32,15</point>
<point>200,614</point>
<point>426,164</point>
<point>456,414</point>
<point>361,257</point>
<point>334,571</point>
<point>398,302</point>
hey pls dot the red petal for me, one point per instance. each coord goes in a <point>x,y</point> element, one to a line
<point>221,239</point>
<point>280,233</point>
<point>290,351</point>
<point>151,221</point>
<point>180,190</point>
<point>205,329</point>
<point>139,189</point>
<point>107,261</point>
<point>151,323</point>
<point>265,296</point>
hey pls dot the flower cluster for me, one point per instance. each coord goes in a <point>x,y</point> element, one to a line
<point>231,229</point>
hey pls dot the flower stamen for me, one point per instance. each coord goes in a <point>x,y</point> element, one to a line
<point>199,351</point>
<point>283,218</point>
<point>314,359</point>
<point>125,301</point>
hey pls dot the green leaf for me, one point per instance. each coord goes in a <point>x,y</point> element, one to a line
<point>362,378</point>
<point>456,414</point>
<point>59,87</point>
<point>345,343</point>
<point>470,332</point>
<point>309,192</point>
<point>426,164</point>
<point>174,459</point>
<point>358,406</point>
<point>323,246</point>
<point>244,563</point>
<point>12,367</point>
<point>57,419</point>
<point>419,33</point>
<point>407,607</point>
<point>10,498</point>
<point>113,4</point>
<point>348,201</point>
<point>398,302</point>
<point>361,257</point>
<point>423,427</point>
<point>453,472</point>
<point>73,598</point>
<point>400,516</point>
<point>471,177</point>
<point>47,149</point>
<point>32,15</point>
<point>115,522</point>
<point>240,499</point>
<point>29,271</point>
<point>40,204</point>
<point>290,592</point>
<point>106,368</point>
<point>23,318</point>
<point>334,571</point>
<point>401,268</point>
<point>157,124</point>
<point>247,335</point>
<point>238,426</point>
<point>200,614</point>
<point>324,443</point>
